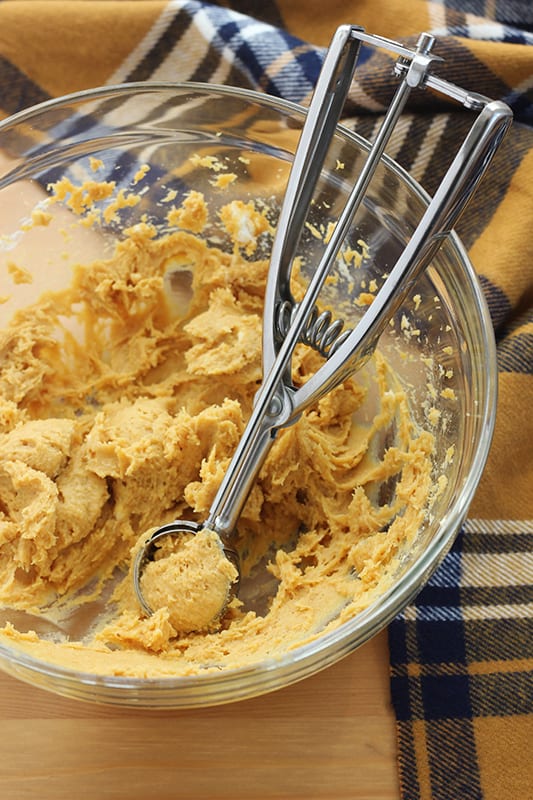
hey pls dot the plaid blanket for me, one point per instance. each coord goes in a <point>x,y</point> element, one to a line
<point>462,652</point>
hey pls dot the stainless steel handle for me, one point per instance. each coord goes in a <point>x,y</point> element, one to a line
<point>277,404</point>
<point>442,213</point>
<point>319,127</point>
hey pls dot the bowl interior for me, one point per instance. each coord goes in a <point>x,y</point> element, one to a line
<point>154,145</point>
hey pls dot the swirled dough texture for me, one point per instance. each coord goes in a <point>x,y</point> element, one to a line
<point>122,399</point>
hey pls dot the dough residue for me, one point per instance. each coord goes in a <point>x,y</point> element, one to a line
<point>120,409</point>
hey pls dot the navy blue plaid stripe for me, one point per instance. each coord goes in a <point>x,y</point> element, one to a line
<point>18,90</point>
<point>500,308</point>
<point>501,694</point>
<point>166,42</point>
<point>452,757</point>
<point>515,354</point>
<point>506,639</point>
<point>256,46</point>
<point>496,595</point>
<point>510,12</point>
<point>498,543</point>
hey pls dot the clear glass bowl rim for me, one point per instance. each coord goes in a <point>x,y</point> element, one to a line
<point>213,688</point>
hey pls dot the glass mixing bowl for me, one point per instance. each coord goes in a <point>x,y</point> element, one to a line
<point>232,144</point>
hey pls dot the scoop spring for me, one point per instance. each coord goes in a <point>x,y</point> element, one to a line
<point>318,332</point>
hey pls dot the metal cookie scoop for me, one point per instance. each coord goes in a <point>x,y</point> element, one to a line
<point>286,323</point>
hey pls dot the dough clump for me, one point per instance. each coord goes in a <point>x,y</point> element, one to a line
<point>191,577</point>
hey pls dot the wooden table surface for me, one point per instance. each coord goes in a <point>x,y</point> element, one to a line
<point>330,736</point>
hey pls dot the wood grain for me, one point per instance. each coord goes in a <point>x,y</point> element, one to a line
<point>330,737</point>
